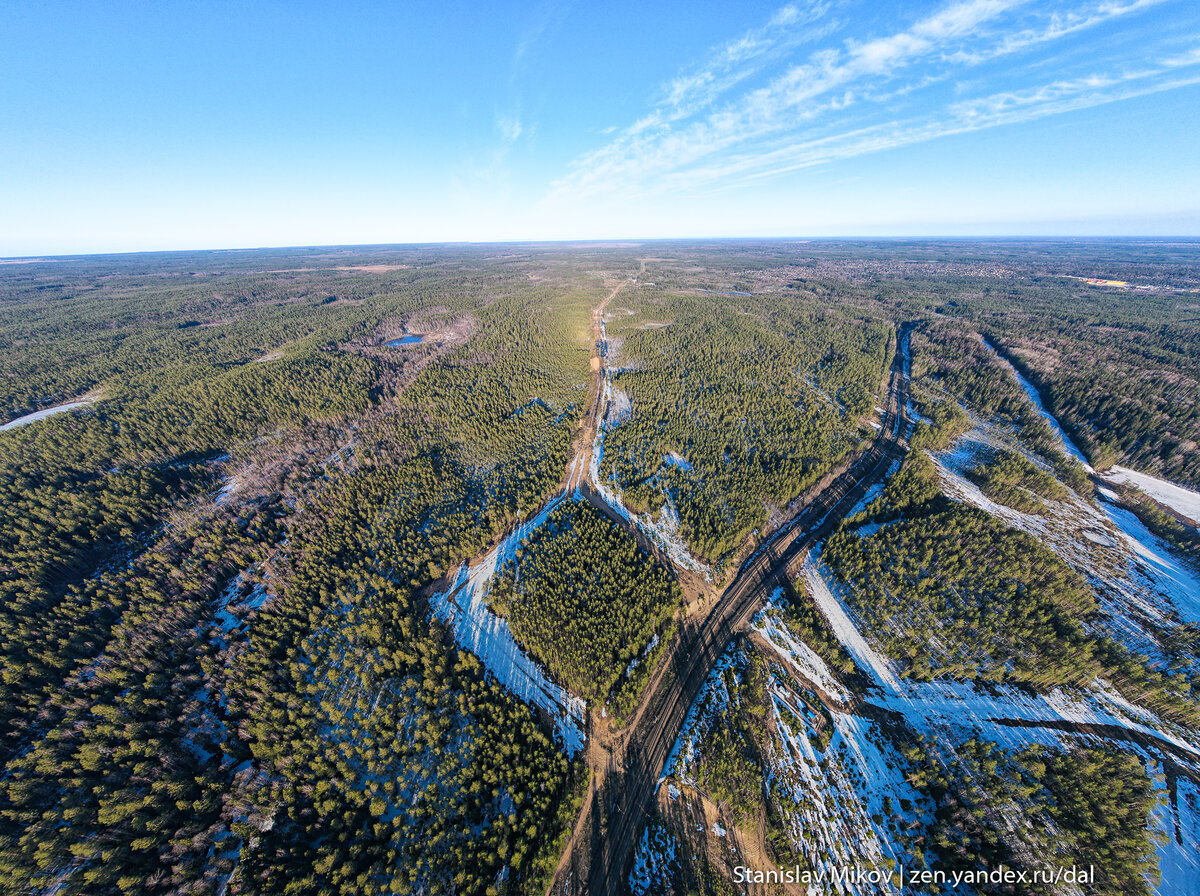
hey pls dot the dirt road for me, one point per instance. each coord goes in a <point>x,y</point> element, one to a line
<point>600,853</point>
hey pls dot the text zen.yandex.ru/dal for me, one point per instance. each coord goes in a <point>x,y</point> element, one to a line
<point>911,877</point>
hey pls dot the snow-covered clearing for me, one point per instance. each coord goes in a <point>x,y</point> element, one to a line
<point>865,657</point>
<point>1177,817</point>
<point>238,600</point>
<point>841,803</point>
<point>1158,563</point>
<point>620,408</point>
<point>1137,576</point>
<point>1036,398</point>
<point>46,412</point>
<point>954,705</point>
<point>794,652</point>
<point>676,459</point>
<point>1183,501</point>
<point>464,608</point>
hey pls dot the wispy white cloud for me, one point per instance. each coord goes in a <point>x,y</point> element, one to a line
<point>1059,24</point>
<point>652,145</point>
<point>1188,57</point>
<point>547,17</point>
<point>1067,95</point>
<point>509,127</point>
<point>955,21</point>
<point>487,170</point>
<point>739,59</point>
<point>1005,108</point>
<point>722,123</point>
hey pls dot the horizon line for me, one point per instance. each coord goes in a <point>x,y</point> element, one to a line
<point>600,242</point>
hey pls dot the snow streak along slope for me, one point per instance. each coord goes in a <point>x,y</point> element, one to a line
<point>464,607</point>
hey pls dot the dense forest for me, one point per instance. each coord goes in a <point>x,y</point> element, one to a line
<point>1117,367</point>
<point>1088,808</point>
<point>1004,607</point>
<point>220,670</point>
<point>1011,479</point>
<point>1126,393</point>
<point>585,599</point>
<point>956,376</point>
<point>284,771</point>
<point>735,405</point>
<point>952,592</point>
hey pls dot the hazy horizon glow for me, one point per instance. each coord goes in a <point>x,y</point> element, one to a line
<point>132,126</point>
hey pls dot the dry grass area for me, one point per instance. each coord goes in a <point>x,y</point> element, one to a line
<point>373,268</point>
<point>709,836</point>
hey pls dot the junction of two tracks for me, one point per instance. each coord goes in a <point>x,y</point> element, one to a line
<point>597,862</point>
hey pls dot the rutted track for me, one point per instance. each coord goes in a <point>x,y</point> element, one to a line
<point>631,778</point>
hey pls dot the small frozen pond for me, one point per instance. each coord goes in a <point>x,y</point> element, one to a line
<point>408,339</point>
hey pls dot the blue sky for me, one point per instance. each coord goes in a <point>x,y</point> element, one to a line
<point>131,126</point>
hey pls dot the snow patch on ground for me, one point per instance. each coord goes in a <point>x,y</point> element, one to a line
<point>475,627</point>
<point>237,601</point>
<point>654,863</point>
<point>1035,397</point>
<point>794,652</point>
<point>1139,580</point>
<point>676,459</point>
<point>44,413</point>
<point>620,408</point>
<point>1181,500</point>
<point>663,530</point>
<point>1177,818</point>
<point>874,491</point>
